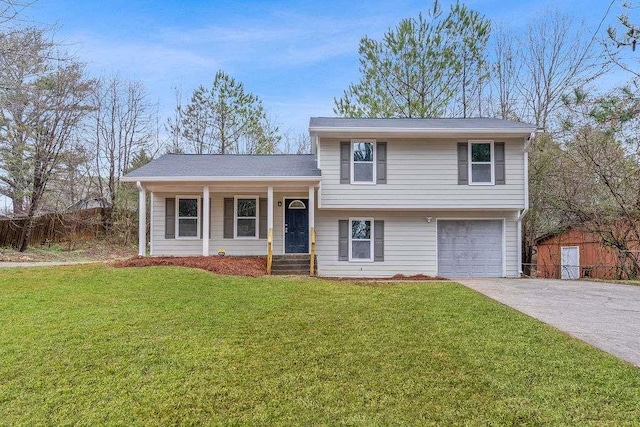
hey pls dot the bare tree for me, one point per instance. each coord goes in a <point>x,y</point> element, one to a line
<point>39,111</point>
<point>10,9</point>
<point>556,57</point>
<point>505,69</point>
<point>298,144</point>
<point>24,58</point>
<point>533,73</point>
<point>123,125</point>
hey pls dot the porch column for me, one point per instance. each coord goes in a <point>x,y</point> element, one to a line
<point>269,208</point>
<point>205,220</point>
<point>269,228</point>
<point>151,223</point>
<point>312,208</point>
<point>142,220</point>
<point>312,230</point>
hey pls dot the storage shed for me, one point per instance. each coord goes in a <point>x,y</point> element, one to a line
<point>572,254</point>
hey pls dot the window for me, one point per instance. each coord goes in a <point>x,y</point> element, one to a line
<point>481,162</point>
<point>363,169</point>
<point>297,204</point>
<point>246,217</point>
<point>187,218</point>
<point>361,240</point>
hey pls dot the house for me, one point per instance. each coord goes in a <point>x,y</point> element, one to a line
<point>90,203</point>
<point>572,253</point>
<point>377,197</point>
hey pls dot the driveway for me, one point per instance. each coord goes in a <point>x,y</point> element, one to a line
<point>605,315</point>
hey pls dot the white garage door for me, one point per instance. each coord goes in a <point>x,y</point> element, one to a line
<point>470,248</point>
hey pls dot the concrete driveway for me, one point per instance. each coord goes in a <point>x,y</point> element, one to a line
<point>605,315</point>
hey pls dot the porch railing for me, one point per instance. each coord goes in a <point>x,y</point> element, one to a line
<point>269,250</point>
<point>312,263</point>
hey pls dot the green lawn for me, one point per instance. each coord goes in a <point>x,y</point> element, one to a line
<point>96,345</point>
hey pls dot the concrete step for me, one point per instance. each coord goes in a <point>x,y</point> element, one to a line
<point>290,272</point>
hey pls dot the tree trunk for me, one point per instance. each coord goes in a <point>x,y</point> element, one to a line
<point>28,228</point>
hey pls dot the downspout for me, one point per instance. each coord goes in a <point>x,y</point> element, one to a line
<point>528,143</point>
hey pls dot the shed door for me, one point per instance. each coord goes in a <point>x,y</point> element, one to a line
<point>470,248</point>
<point>569,262</point>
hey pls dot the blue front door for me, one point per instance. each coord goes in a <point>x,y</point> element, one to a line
<point>296,226</point>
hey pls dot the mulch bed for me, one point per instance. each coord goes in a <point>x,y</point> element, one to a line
<point>251,266</point>
<point>254,266</point>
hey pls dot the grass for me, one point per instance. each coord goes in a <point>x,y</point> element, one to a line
<point>96,345</point>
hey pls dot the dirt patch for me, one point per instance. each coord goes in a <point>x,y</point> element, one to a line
<point>251,266</point>
<point>79,250</point>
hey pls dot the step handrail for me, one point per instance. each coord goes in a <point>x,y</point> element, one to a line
<point>312,261</point>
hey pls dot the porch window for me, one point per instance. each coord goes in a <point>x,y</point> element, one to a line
<point>246,221</point>
<point>188,217</point>
<point>363,169</point>
<point>361,240</point>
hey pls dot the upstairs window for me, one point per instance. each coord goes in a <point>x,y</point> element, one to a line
<point>363,170</point>
<point>481,168</point>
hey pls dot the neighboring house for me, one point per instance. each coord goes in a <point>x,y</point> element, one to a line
<point>573,253</point>
<point>382,196</point>
<point>90,203</point>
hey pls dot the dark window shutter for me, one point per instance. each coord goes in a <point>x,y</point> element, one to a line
<point>228,218</point>
<point>345,162</point>
<point>201,217</point>
<point>262,208</point>
<point>378,242</point>
<point>463,163</point>
<point>498,152</point>
<point>170,218</point>
<point>381,163</point>
<point>343,240</point>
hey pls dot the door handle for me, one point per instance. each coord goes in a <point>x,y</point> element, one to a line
<point>286,228</point>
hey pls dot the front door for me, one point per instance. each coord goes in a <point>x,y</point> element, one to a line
<point>296,226</point>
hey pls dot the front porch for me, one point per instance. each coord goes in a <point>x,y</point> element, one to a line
<point>239,218</point>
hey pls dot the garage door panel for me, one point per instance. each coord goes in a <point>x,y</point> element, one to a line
<point>470,248</point>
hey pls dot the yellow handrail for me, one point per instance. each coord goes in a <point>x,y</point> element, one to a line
<point>269,250</point>
<point>312,264</point>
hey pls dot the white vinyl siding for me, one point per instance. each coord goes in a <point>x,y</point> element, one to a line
<point>233,247</point>
<point>422,173</point>
<point>410,245</point>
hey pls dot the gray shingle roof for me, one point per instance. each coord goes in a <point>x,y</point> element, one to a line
<point>230,166</point>
<point>451,124</point>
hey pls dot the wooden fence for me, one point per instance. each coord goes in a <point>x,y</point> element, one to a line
<point>55,227</point>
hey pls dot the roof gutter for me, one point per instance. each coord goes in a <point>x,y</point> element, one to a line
<point>421,131</point>
<point>220,178</point>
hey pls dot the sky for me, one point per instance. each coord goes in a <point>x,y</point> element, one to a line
<point>297,56</point>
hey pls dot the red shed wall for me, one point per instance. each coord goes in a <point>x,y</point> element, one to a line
<point>596,260</point>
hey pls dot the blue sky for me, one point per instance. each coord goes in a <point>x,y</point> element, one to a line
<point>295,55</point>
